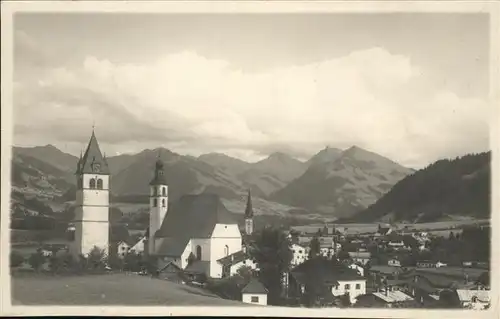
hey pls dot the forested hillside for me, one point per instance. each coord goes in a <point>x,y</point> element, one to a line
<point>458,187</point>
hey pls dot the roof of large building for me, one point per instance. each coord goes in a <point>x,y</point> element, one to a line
<point>92,160</point>
<point>328,271</point>
<point>467,295</point>
<point>193,216</point>
<point>233,259</point>
<point>254,287</point>
<point>198,267</point>
<point>392,296</point>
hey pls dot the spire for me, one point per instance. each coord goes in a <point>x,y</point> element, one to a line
<point>92,160</point>
<point>249,210</point>
<point>79,163</point>
<point>159,175</point>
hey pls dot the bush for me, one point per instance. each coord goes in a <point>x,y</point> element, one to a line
<point>16,259</point>
<point>36,260</point>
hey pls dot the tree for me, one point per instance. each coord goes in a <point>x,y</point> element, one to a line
<point>484,279</point>
<point>16,259</point>
<point>314,247</point>
<point>245,272</point>
<point>115,262</point>
<point>449,299</point>
<point>325,231</point>
<point>273,255</point>
<point>97,258</point>
<point>36,260</point>
<point>132,262</point>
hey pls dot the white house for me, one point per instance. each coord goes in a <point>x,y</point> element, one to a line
<point>122,249</point>
<point>474,299</point>
<point>354,286</point>
<point>138,248</point>
<point>254,293</point>
<point>299,254</point>
<point>394,262</point>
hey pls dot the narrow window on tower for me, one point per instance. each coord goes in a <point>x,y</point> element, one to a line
<point>163,202</point>
<point>92,183</point>
<point>99,183</point>
<point>155,191</point>
<point>164,191</point>
<point>159,190</point>
<point>155,202</point>
<point>198,252</point>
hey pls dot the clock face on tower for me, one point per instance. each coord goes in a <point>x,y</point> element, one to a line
<point>96,167</point>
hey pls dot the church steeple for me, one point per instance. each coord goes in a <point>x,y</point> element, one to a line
<point>249,215</point>
<point>78,165</point>
<point>159,175</point>
<point>93,161</point>
<point>249,209</point>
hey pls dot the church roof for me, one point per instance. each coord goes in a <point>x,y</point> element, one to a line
<point>192,216</point>
<point>91,157</point>
<point>254,287</point>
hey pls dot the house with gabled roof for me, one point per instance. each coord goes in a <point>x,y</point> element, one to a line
<point>328,275</point>
<point>254,293</point>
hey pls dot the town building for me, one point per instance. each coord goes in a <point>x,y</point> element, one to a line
<point>362,257</point>
<point>254,293</point>
<point>394,262</point>
<point>327,275</point>
<point>231,264</point>
<point>299,254</point>
<point>474,299</point>
<point>91,219</point>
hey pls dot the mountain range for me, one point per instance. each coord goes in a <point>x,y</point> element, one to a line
<point>332,183</point>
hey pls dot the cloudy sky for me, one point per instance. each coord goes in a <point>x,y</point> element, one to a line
<point>412,87</point>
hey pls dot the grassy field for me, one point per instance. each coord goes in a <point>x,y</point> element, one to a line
<point>111,289</point>
<point>364,228</point>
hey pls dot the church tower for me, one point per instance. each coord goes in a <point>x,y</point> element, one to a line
<point>158,203</point>
<point>92,201</point>
<point>249,216</point>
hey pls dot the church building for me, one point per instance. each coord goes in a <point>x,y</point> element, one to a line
<point>194,233</point>
<point>92,201</point>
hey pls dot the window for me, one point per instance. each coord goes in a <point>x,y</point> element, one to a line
<point>155,191</point>
<point>92,183</point>
<point>254,299</point>
<point>155,202</point>
<point>198,252</point>
<point>99,183</point>
<point>358,286</point>
<point>347,286</point>
<point>163,202</point>
<point>226,250</point>
<point>164,191</point>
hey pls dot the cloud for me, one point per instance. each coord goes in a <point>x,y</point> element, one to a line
<point>371,98</point>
